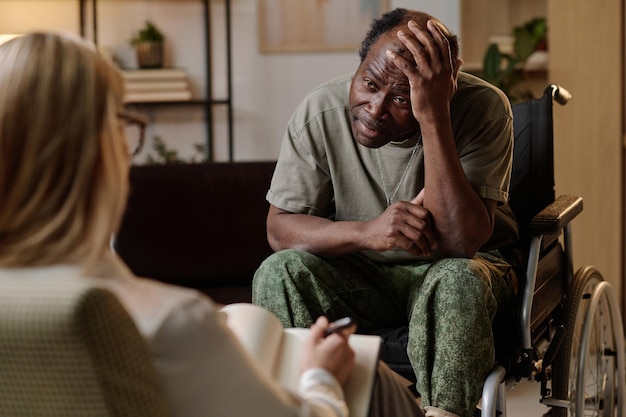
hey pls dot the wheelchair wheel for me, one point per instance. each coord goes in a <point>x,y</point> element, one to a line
<point>589,369</point>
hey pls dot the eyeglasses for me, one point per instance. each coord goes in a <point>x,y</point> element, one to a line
<point>135,129</point>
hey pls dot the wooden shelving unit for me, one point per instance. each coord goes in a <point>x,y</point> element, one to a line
<point>209,101</point>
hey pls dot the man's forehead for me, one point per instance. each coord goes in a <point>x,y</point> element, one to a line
<point>382,69</point>
<point>422,19</point>
<point>390,41</point>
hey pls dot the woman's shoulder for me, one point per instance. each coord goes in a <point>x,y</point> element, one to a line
<point>152,303</point>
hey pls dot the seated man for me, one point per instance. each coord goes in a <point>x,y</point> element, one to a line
<point>383,202</point>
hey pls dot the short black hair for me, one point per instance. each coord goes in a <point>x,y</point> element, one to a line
<point>392,20</point>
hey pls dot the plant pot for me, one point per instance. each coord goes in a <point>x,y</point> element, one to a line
<point>149,54</point>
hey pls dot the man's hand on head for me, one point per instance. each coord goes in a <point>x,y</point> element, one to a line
<point>429,68</point>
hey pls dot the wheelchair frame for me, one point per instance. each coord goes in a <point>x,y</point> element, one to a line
<point>573,345</point>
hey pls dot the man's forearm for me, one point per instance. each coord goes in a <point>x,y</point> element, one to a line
<point>314,234</point>
<point>462,220</point>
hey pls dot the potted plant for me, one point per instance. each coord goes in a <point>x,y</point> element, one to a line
<point>148,43</point>
<point>507,71</point>
<point>164,155</point>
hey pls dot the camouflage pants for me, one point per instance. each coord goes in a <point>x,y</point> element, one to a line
<point>449,304</point>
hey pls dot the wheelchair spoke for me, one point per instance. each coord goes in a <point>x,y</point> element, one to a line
<point>598,395</point>
<point>589,365</point>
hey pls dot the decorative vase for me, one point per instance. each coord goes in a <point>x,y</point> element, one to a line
<point>149,54</point>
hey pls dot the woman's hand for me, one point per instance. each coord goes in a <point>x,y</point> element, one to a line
<point>332,353</point>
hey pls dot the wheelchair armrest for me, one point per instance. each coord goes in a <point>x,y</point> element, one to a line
<point>555,216</point>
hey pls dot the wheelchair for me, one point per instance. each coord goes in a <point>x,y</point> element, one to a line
<point>571,337</point>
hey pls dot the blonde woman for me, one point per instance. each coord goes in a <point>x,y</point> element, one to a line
<point>64,163</point>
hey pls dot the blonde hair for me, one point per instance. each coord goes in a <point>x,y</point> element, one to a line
<point>63,154</point>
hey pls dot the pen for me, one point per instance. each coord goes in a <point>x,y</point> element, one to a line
<point>338,325</point>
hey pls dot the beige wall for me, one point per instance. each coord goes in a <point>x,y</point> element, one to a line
<point>586,43</point>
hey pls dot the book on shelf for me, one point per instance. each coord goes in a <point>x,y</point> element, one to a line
<point>278,351</point>
<point>154,96</point>
<point>154,85</point>
<point>154,74</point>
<point>143,86</point>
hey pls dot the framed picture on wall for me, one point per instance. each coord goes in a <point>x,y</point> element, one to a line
<point>316,25</point>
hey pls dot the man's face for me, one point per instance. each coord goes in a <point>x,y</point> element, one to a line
<point>380,103</point>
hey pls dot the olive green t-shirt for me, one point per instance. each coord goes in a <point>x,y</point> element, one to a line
<point>323,171</point>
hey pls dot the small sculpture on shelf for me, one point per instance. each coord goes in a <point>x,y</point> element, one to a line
<point>148,43</point>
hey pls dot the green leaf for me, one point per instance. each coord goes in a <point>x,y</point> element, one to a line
<point>528,36</point>
<point>149,33</point>
<point>491,63</point>
<point>510,68</point>
<point>524,44</point>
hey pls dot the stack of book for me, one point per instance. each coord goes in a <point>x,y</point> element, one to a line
<point>149,85</point>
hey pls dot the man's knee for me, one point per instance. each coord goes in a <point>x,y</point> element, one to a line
<point>282,284</point>
<point>455,272</point>
<point>461,281</point>
<point>283,263</point>
<point>286,265</point>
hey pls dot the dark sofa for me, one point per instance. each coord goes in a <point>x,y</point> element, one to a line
<point>198,225</point>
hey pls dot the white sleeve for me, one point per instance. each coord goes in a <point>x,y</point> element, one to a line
<point>206,371</point>
<point>319,386</point>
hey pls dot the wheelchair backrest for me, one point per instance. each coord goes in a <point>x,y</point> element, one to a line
<point>532,177</point>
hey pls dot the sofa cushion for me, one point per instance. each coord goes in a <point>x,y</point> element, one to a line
<point>197,225</point>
